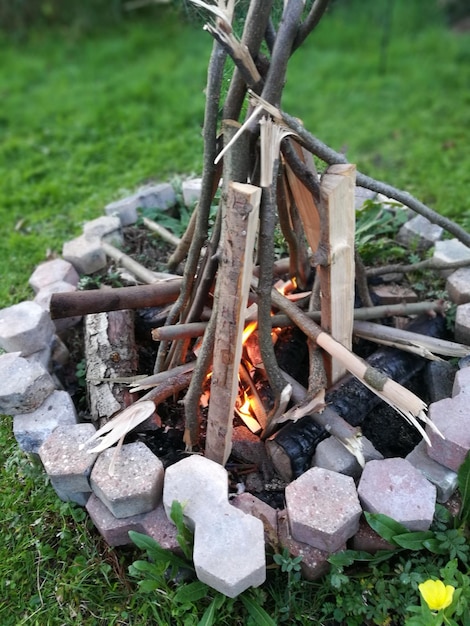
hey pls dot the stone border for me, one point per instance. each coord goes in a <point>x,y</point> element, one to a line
<point>136,497</point>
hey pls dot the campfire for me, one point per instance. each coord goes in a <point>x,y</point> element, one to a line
<point>269,187</point>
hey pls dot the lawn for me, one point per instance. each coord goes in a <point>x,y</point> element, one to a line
<point>84,118</point>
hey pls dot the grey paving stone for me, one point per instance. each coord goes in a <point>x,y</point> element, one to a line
<point>67,465</point>
<point>43,298</point>
<point>462,324</point>
<point>25,327</point>
<point>159,196</point>
<point>32,429</point>
<point>323,508</point>
<point>135,483</point>
<point>439,377</point>
<point>125,209</point>
<point>107,228</point>
<point>442,477</point>
<point>461,382</point>
<point>452,418</point>
<point>24,385</point>
<point>450,250</point>
<point>188,479</point>
<point>229,549</point>
<point>191,190</point>
<point>458,285</point>
<point>85,254</point>
<point>395,488</point>
<point>419,233</point>
<point>54,271</point>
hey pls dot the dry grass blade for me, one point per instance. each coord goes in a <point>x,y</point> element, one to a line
<point>120,425</point>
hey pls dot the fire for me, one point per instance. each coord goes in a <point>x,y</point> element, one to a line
<point>245,411</point>
<point>249,329</point>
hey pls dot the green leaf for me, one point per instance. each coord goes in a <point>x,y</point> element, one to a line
<point>463,477</point>
<point>143,566</point>
<point>144,542</point>
<point>256,612</point>
<point>147,586</point>
<point>435,546</point>
<point>385,526</point>
<point>184,536</point>
<point>413,540</point>
<point>157,553</point>
<point>209,614</point>
<point>192,592</point>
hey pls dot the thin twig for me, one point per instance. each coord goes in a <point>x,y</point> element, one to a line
<point>427,264</point>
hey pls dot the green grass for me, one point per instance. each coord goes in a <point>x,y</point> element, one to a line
<point>82,119</point>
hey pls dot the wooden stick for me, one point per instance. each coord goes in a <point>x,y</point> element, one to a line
<point>423,344</point>
<point>403,401</point>
<point>139,271</point>
<point>197,329</point>
<point>239,233</point>
<point>76,303</point>
<point>337,275</point>
<point>163,232</point>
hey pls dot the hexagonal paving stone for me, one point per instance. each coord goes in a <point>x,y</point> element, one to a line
<point>24,385</point>
<point>68,466</point>
<point>452,418</point>
<point>323,508</point>
<point>193,482</point>
<point>32,429</point>
<point>229,552</point>
<point>57,270</point>
<point>135,484</point>
<point>397,489</point>
<point>25,327</point>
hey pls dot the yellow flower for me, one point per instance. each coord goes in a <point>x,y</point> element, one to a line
<point>436,595</point>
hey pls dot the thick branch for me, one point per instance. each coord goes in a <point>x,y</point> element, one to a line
<point>76,303</point>
<point>287,32</point>
<point>266,259</point>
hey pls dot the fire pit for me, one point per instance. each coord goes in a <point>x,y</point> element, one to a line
<point>261,464</point>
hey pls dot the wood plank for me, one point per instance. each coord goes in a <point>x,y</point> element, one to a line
<point>303,198</point>
<point>240,225</point>
<point>337,275</point>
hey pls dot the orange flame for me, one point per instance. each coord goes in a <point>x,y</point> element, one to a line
<point>250,328</point>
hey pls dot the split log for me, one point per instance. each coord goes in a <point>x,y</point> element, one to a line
<point>110,353</point>
<point>235,272</point>
<point>76,303</point>
<point>337,274</point>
